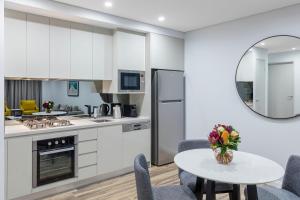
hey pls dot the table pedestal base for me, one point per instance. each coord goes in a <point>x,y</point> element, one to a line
<point>199,188</point>
<point>211,195</point>
<point>210,190</point>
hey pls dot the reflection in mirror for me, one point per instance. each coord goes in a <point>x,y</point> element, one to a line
<point>268,77</point>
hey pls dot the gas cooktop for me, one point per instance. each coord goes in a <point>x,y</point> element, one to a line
<point>44,122</point>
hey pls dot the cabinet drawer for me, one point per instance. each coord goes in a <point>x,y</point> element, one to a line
<point>87,172</point>
<point>87,160</point>
<point>87,134</point>
<point>87,147</point>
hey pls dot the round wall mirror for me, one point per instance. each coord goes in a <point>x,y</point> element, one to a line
<point>268,77</point>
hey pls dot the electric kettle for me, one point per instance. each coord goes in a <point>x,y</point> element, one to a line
<point>117,112</point>
<point>104,109</point>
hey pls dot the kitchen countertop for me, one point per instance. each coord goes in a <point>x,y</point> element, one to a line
<point>14,128</point>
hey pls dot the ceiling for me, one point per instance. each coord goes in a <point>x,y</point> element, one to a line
<point>183,15</point>
<point>280,44</point>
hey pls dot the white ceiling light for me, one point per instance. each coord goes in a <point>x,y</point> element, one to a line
<point>293,48</point>
<point>108,4</point>
<point>161,18</point>
<point>262,43</point>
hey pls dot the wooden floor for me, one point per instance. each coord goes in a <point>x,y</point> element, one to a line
<point>123,187</point>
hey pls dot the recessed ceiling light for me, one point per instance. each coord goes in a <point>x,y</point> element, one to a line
<point>293,48</point>
<point>161,18</point>
<point>108,4</point>
<point>262,43</point>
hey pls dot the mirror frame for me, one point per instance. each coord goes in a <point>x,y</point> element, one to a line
<point>236,71</point>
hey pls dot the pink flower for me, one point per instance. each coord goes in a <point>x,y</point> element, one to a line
<point>213,137</point>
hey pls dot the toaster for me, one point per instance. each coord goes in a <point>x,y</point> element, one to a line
<point>129,110</point>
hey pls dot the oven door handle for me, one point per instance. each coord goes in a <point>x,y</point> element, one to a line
<point>56,151</point>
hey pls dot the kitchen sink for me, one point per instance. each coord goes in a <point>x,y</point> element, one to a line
<point>101,120</point>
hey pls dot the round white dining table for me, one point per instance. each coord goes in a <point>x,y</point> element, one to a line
<point>52,113</point>
<point>245,168</point>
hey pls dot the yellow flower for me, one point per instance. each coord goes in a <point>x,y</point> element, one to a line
<point>225,136</point>
<point>234,134</point>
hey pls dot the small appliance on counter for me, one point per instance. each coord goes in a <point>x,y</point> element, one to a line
<point>112,105</point>
<point>91,110</point>
<point>129,110</point>
<point>117,112</point>
<point>95,112</point>
<point>104,109</point>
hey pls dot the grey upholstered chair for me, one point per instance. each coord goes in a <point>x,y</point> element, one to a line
<point>290,186</point>
<point>190,179</point>
<point>146,192</point>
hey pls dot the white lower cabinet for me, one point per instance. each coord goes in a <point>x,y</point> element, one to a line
<point>110,147</point>
<point>87,153</point>
<point>19,167</point>
<point>117,149</point>
<point>101,151</point>
<point>87,160</point>
<point>87,147</point>
<point>87,172</point>
<point>136,142</point>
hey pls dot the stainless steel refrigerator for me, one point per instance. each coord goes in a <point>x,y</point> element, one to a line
<point>168,121</point>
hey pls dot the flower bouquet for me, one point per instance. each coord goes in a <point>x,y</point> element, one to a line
<point>48,105</point>
<point>223,139</point>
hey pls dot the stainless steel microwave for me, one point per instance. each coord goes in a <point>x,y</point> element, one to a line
<point>131,81</point>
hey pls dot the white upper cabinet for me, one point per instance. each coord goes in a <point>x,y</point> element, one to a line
<point>15,44</point>
<point>102,54</point>
<point>81,52</point>
<point>60,49</point>
<point>166,52</point>
<point>129,51</point>
<point>37,46</point>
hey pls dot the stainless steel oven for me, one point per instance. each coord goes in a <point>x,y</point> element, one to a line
<point>131,81</point>
<point>54,160</point>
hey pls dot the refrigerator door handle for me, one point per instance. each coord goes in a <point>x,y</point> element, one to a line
<point>171,101</point>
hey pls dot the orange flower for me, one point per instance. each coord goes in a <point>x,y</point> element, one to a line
<point>225,136</point>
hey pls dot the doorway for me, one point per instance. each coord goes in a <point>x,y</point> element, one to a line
<point>281,90</point>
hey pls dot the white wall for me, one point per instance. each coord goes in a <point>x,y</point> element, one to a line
<point>212,55</point>
<point>292,56</point>
<point>57,92</point>
<point>1,101</point>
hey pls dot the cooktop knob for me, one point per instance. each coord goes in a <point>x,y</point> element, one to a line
<point>63,141</point>
<point>49,143</point>
<point>56,142</point>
